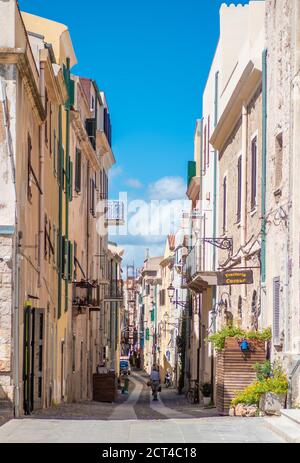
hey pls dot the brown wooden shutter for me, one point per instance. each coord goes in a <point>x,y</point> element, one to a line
<point>276,311</point>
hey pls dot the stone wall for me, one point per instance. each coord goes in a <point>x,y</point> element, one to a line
<point>6,389</point>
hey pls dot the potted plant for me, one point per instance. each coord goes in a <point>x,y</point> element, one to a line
<point>206,390</point>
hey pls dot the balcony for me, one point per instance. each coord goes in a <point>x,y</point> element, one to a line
<point>194,262</point>
<point>86,295</point>
<point>114,291</point>
<point>115,213</point>
<point>197,277</point>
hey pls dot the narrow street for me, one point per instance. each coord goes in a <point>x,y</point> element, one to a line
<point>135,420</point>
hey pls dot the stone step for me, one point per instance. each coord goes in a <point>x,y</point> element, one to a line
<point>284,427</point>
<point>292,414</point>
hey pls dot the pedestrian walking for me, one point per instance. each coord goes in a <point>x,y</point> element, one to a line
<point>155,381</point>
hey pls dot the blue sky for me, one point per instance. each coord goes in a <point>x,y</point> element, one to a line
<point>152,59</point>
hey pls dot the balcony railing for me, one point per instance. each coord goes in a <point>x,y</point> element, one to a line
<point>86,294</point>
<point>194,262</point>
<point>115,212</point>
<point>114,291</point>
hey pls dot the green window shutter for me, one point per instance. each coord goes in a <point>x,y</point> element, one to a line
<point>78,171</point>
<point>71,181</point>
<point>152,315</point>
<point>71,92</point>
<point>70,261</point>
<point>62,169</point>
<point>63,257</point>
<point>191,171</point>
<point>147,334</point>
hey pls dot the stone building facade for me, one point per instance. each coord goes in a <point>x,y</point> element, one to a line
<point>281,300</point>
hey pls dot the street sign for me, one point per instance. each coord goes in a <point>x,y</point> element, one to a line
<point>235,277</point>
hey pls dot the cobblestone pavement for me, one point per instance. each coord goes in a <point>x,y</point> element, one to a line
<point>135,418</point>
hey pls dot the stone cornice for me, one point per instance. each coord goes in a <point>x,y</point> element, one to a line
<point>57,90</point>
<point>24,60</point>
<point>247,84</point>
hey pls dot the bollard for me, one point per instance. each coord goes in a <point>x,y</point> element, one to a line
<point>126,385</point>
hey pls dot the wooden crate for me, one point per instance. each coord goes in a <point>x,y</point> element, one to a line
<point>104,387</point>
<point>235,370</point>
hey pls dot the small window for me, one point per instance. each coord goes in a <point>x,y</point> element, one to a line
<point>45,237</point>
<point>278,162</point>
<point>29,168</point>
<point>253,173</point>
<point>78,171</point>
<point>240,308</point>
<point>46,122</point>
<point>254,310</point>
<point>55,150</point>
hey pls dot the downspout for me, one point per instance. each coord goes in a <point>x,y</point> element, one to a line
<point>264,167</point>
<point>263,184</point>
<point>41,176</point>
<point>215,169</point>
<point>60,197</point>
<point>214,288</point>
<point>244,187</point>
<point>16,257</point>
<point>67,169</point>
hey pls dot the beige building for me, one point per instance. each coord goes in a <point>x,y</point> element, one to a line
<point>238,139</point>
<point>150,286</point>
<point>58,279</point>
<point>33,94</point>
<point>166,323</point>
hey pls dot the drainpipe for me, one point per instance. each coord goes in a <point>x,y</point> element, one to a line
<point>244,187</point>
<point>264,167</point>
<point>214,288</point>
<point>215,170</point>
<point>41,176</point>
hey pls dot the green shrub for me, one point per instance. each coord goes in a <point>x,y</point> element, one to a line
<point>218,339</point>
<point>277,383</point>
<point>263,370</point>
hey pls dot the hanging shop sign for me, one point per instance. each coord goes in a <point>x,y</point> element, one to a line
<point>235,277</point>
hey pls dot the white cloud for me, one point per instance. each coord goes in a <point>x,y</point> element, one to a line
<point>134,183</point>
<point>168,188</point>
<point>115,172</point>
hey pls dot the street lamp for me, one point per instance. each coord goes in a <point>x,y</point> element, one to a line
<point>171,292</point>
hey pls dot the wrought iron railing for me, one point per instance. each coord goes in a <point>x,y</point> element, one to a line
<point>114,290</point>
<point>194,261</point>
<point>115,212</point>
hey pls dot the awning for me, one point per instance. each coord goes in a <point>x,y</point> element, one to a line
<point>202,281</point>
